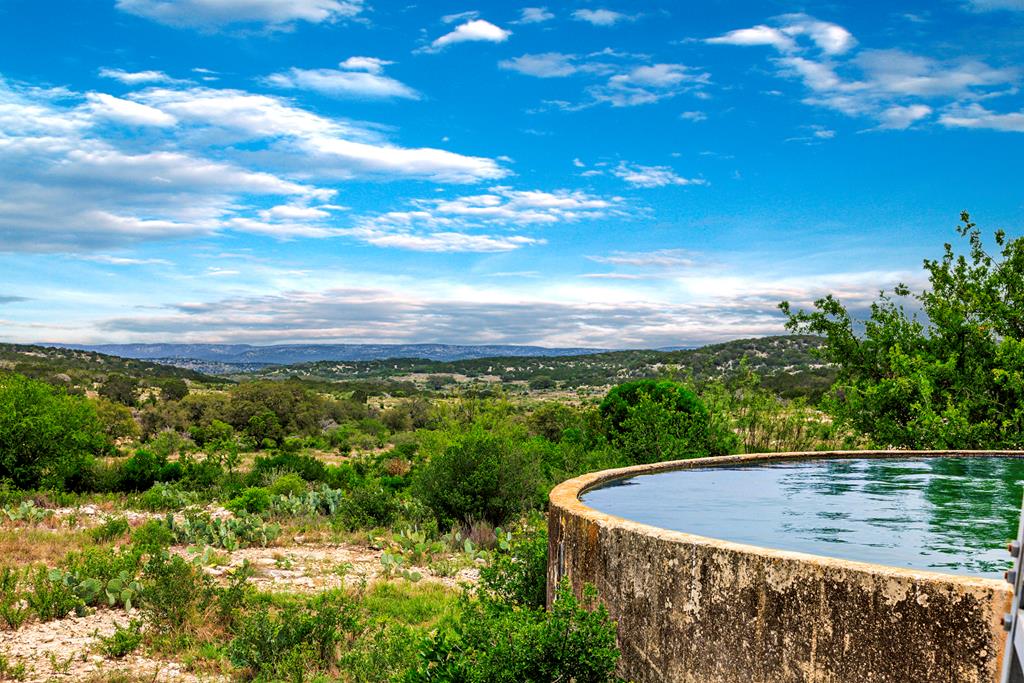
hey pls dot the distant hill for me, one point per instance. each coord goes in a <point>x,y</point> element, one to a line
<point>250,356</point>
<point>81,368</point>
<point>786,363</point>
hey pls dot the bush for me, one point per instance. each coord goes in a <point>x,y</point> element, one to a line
<point>51,598</point>
<point>290,484</point>
<point>294,641</point>
<point>253,500</point>
<point>145,468</point>
<point>116,527</point>
<point>152,537</point>
<point>495,643</point>
<point>123,641</point>
<point>655,420</point>
<point>47,438</point>
<point>481,474</point>
<point>519,577</point>
<point>174,593</point>
<point>306,466</point>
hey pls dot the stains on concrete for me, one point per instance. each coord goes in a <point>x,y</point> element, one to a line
<point>700,610</point>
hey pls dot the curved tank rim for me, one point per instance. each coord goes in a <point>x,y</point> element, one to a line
<point>566,496</point>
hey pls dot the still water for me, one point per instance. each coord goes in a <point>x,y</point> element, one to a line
<point>949,514</point>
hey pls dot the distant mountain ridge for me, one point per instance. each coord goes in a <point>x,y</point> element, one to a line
<point>287,354</point>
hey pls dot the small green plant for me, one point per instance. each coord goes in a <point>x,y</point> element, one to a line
<point>115,527</point>
<point>14,672</point>
<point>393,564</point>
<point>123,641</point>
<point>27,511</point>
<point>152,537</point>
<point>60,666</point>
<point>174,593</point>
<point>229,533</point>
<point>51,597</point>
<point>13,610</point>
<point>253,500</point>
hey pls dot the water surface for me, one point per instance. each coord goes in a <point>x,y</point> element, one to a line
<point>950,514</point>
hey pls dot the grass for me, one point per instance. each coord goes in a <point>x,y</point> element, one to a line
<point>412,604</point>
<point>27,545</point>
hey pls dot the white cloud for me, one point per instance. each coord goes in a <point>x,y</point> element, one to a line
<point>546,65</point>
<point>460,16</point>
<point>310,142</point>
<point>127,261</point>
<point>137,77</point>
<point>535,15</point>
<point>600,17</point>
<point>888,86</point>
<point>695,116</point>
<point>756,35</point>
<point>976,116</point>
<point>454,224</point>
<point>127,112</point>
<point>372,65</point>
<point>650,83</point>
<point>477,30</point>
<point>661,258</point>
<point>218,13</point>
<point>993,5</point>
<point>368,83</point>
<point>899,117</point>
<point>652,176</point>
<point>832,39</point>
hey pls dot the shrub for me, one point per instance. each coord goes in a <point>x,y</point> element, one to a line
<point>655,420</point>
<point>174,593</point>
<point>519,577</point>
<point>123,641</point>
<point>495,643</point>
<point>290,484</point>
<point>115,527</point>
<point>253,500</point>
<point>481,474</point>
<point>50,597</point>
<point>152,537</point>
<point>307,467</point>
<point>47,438</point>
<point>296,640</point>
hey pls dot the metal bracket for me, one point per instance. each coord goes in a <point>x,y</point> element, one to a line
<point>1013,655</point>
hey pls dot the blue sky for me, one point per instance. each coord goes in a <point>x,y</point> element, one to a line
<point>602,174</point>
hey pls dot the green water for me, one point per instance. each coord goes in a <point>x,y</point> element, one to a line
<point>949,514</point>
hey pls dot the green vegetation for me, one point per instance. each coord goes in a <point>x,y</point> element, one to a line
<point>948,372</point>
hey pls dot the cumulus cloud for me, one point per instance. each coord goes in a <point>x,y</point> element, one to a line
<point>455,224</point>
<point>625,81</point>
<point>652,176</point>
<point>130,113</point>
<point>697,307</point>
<point>308,141</point>
<point>219,13</point>
<point>68,181</point>
<point>832,39</point>
<point>897,89</point>
<point>976,116</point>
<point>545,65</point>
<point>358,77</point>
<point>535,15</point>
<point>600,17</point>
<point>137,77</point>
<point>476,30</point>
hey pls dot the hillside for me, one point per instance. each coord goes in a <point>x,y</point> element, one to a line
<point>82,369</point>
<point>246,357</point>
<point>786,363</point>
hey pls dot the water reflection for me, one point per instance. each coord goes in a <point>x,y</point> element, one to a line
<point>949,514</point>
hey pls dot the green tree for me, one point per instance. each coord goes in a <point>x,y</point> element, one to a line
<point>120,388</point>
<point>480,474</point>
<point>173,389</point>
<point>949,374</point>
<point>654,420</point>
<point>47,438</point>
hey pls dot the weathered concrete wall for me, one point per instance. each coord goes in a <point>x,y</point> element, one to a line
<point>700,610</point>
